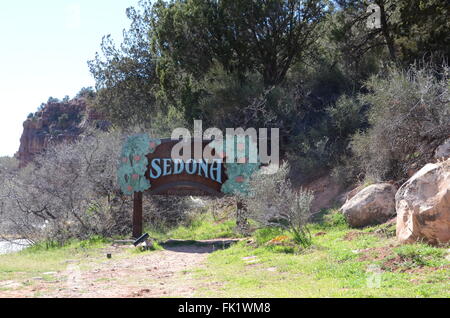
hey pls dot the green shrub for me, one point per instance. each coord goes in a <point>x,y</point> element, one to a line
<point>346,115</point>
<point>274,203</point>
<point>409,118</point>
<point>63,121</point>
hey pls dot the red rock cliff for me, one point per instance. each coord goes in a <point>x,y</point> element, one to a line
<point>55,122</point>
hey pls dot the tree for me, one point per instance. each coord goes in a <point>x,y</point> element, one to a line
<point>125,76</point>
<point>409,29</point>
<point>86,92</point>
<point>422,29</point>
<point>52,100</point>
<point>267,36</point>
<point>352,35</point>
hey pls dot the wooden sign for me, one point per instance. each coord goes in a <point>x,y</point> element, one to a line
<point>148,165</point>
<point>196,177</point>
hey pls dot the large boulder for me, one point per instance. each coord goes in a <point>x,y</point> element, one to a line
<point>374,204</point>
<point>423,205</point>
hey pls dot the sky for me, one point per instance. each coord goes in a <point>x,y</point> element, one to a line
<point>44,49</point>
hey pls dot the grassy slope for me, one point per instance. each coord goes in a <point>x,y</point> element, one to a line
<point>335,266</point>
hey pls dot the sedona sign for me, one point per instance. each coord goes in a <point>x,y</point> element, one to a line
<point>188,166</point>
<point>196,166</point>
<point>174,176</point>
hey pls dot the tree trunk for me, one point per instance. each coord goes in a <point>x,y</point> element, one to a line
<point>385,30</point>
<point>241,218</point>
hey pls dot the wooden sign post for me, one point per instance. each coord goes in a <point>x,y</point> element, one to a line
<point>137,214</point>
<point>169,177</point>
<point>147,165</point>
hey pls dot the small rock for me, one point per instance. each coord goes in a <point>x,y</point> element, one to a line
<point>251,261</point>
<point>248,258</point>
<point>50,273</point>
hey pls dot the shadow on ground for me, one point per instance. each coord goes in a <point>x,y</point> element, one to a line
<point>199,247</point>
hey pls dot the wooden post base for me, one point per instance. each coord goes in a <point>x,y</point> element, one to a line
<point>137,215</point>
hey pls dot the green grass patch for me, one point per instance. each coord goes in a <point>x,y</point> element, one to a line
<point>47,257</point>
<point>327,219</point>
<point>93,242</point>
<point>202,227</point>
<point>419,254</point>
<point>342,262</point>
<point>264,235</point>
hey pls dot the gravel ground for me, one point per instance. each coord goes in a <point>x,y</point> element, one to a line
<point>165,273</point>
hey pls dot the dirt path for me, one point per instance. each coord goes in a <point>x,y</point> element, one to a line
<point>165,273</point>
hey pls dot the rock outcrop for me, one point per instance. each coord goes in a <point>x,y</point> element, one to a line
<point>326,192</point>
<point>374,204</point>
<point>56,122</point>
<point>423,205</point>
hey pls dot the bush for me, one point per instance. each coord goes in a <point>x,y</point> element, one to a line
<point>8,165</point>
<point>409,118</point>
<point>63,121</point>
<point>71,193</point>
<point>346,116</point>
<point>273,202</point>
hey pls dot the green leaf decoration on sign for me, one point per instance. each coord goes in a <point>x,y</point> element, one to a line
<point>238,177</point>
<point>133,163</point>
<point>244,154</point>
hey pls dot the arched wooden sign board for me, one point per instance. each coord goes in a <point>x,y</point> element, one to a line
<point>147,166</point>
<point>196,179</point>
